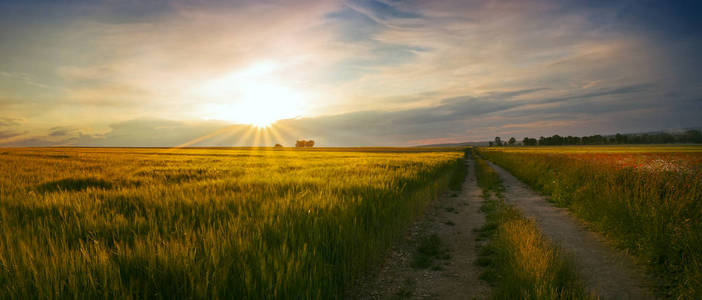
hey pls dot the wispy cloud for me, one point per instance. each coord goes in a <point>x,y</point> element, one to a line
<point>24,79</point>
<point>373,72</point>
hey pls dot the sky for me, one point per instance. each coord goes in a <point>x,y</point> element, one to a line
<point>344,73</point>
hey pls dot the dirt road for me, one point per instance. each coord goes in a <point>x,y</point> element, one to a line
<point>453,218</point>
<point>606,271</point>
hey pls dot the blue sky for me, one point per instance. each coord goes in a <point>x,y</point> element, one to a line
<point>345,73</point>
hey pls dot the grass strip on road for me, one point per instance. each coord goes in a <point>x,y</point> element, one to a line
<point>520,263</point>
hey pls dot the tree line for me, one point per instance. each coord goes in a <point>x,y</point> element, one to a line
<point>688,136</point>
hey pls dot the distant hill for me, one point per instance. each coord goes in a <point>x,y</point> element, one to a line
<point>464,144</point>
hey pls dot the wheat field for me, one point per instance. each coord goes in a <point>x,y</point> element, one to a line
<point>206,223</point>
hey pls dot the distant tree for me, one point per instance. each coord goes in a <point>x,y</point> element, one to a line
<point>278,146</point>
<point>556,140</point>
<point>491,144</point>
<point>304,143</point>
<point>620,138</point>
<point>498,141</point>
<point>668,138</point>
<point>687,136</point>
<point>511,141</point>
<point>529,141</point>
<point>693,136</point>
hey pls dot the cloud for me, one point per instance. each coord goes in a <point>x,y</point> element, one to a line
<point>23,78</point>
<point>10,122</point>
<point>149,132</point>
<point>62,131</point>
<point>125,73</point>
<point>6,134</point>
<point>458,121</point>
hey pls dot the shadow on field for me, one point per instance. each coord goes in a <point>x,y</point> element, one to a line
<point>73,184</point>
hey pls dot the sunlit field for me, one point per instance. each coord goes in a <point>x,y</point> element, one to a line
<point>647,199</point>
<point>204,223</point>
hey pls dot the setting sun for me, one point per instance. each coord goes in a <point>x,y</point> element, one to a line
<point>263,104</point>
<point>252,96</point>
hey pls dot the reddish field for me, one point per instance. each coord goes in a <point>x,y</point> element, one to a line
<point>648,200</point>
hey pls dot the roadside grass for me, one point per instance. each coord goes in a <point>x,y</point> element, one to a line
<point>648,200</point>
<point>430,250</point>
<point>459,175</point>
<point>87,223</point>
<point>519,262</point>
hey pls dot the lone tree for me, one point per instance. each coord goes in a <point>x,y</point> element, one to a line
<point>498,141</point>
<point>278,146</point>
<point>304,143</point>
<point>511,141</point>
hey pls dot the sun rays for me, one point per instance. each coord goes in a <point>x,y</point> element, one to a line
<point>244,135</point>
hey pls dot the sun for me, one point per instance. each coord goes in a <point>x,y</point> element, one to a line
<point>262,104</point>
<point>252,96</point>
